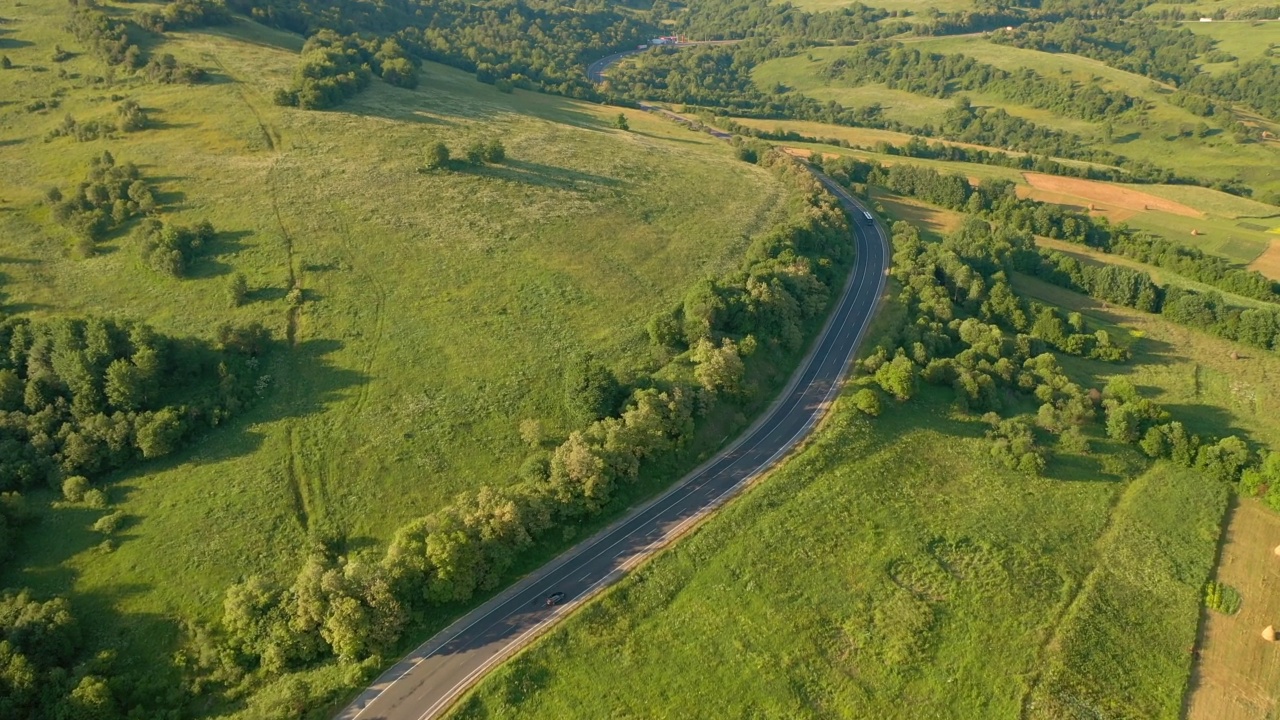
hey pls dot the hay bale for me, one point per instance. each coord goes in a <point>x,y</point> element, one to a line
<point>1278,551</point>
<point>1269,633</point>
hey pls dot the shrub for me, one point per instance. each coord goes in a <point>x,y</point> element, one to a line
<point>437,156</point>
<point>75,487</point>
<point>108,524</point>
<point>867,401</point>
<point>494,152</point>
<point>1221,597</point>
<point>96,499</point>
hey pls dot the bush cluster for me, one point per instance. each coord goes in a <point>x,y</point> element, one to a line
<point>109,196</point>
<point>334,67</point>
<point>170,249</point>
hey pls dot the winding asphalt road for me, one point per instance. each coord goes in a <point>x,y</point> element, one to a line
<point>427,682</point>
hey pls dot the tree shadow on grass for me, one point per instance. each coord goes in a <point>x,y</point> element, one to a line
<point>530,173</point>
<point>207,264</point>
<point>167,197</point>
<point>325,384</point>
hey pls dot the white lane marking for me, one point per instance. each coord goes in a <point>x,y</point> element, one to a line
<point>795,399</point>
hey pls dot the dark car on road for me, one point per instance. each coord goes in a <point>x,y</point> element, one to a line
<point>554,598</point>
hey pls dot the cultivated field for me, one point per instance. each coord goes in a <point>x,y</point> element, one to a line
<point>437,309</point>
<point>1236,228</point>
<point>1237,671</point>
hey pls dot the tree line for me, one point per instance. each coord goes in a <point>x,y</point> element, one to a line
<point>936,75</point>
<point>918,147</point>
<point>1143,47</point>
<point>513,43</point>
<point>718,79</point>
<point>1165,53</point>
<point>996,200</point>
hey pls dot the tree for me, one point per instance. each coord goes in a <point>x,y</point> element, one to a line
<point>718,369</point>
<point>476,153</point>
<point>5,62</point>
<point>125,385</point>
<point>591,390</point>
<point>237,289</point>
<point>74,488</point>
<point>437,156</point>
<point>867,401</point>
<point>621,123</point>
<point>494,152</point>
<point>898,377</point>
<point>158,434</point>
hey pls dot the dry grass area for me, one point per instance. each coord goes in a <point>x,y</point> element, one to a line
<point>1268,263</point>
<point>931,221</point>
<point>1102,196</point>
<point>1238,671</point>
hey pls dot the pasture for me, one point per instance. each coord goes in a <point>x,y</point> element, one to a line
<point>434,312</point>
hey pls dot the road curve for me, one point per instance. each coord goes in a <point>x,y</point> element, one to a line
<point>428,681</point>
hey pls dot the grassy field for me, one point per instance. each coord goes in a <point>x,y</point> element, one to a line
<point>1245,40</point>
<point>1155,139</point>
<point>438,308</point>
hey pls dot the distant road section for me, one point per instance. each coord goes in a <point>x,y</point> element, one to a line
<point>427,682</point>
<point>595,71</point>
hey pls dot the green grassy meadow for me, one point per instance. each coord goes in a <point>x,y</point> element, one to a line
<point>1245,40</point>
<point>437,312</point>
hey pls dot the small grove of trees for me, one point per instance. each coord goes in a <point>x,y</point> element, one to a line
<point>479,152</point>
<point>110,40</point>
<point>965,328</point>
<point>130,117</point>
<point>109,196</point>
<point>185,14</point>
<point>335,67</point>
<point>89,396</point>
<point>170,249</point>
